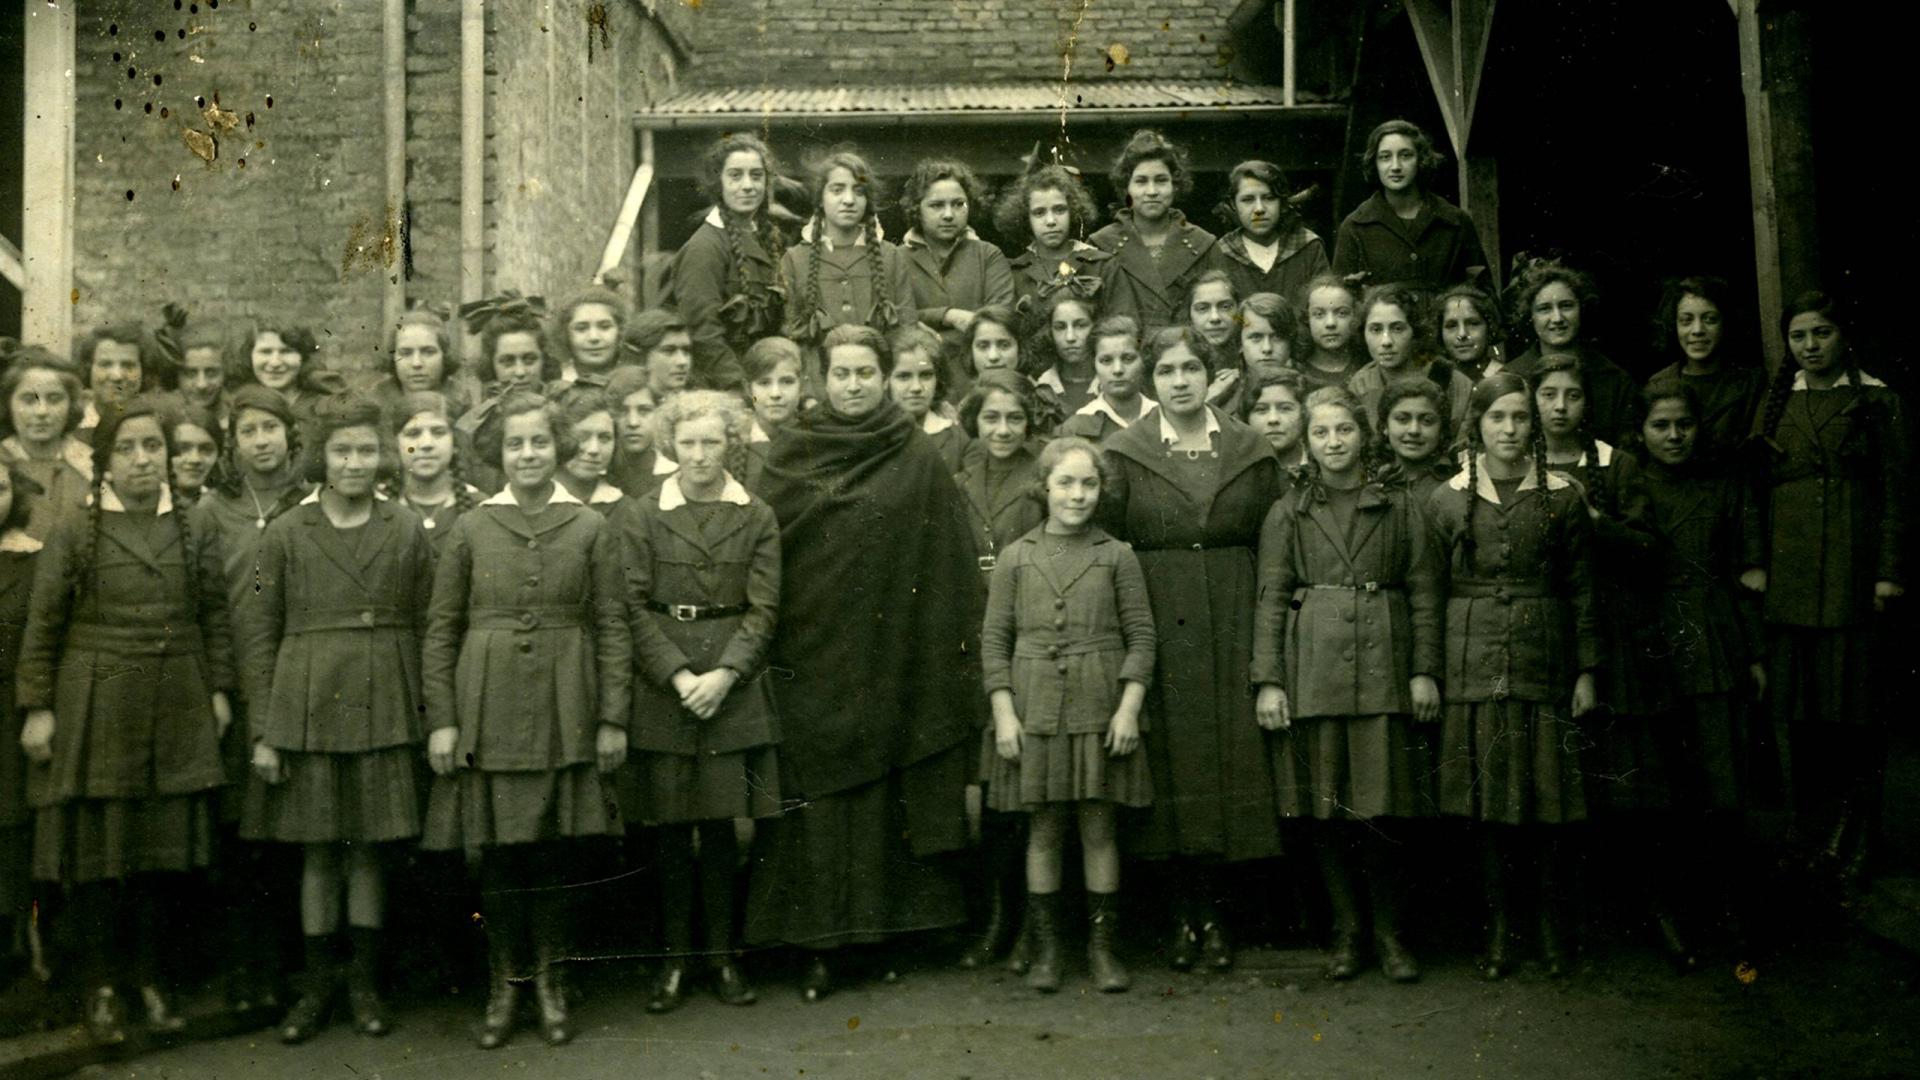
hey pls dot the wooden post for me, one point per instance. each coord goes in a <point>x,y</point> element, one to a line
<point>395,39</point>
<point>650,226</point>
<point>46,238</point>
<point>1453,43</point>
<point>473,151</point>
<point>1775,63</point>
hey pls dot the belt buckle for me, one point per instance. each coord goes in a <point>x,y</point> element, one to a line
<point>684,612</point>
<point>1371,586</point>
<point>986,562</point>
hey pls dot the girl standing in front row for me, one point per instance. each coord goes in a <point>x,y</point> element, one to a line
<point>1068,650</point>
<point>329,636</point>
<point>1350,590</point>
<point>1521,653</point>
<point>123,676</point>
<point>526,667</point>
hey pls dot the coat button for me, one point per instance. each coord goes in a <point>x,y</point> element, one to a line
<point>533,545</point>
<point>366,618</point>
<point>1060,605</point>
<point>1060,623</point>
<point>529,620</point>
<point>526,646</point>
<point>1053,651</point>
<point>1347,615</point>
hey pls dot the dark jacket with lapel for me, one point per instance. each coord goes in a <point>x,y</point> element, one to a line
<point>726,309</point>
<point>1436,249</point>
<point>1301,257</point>
<point>1153,291</point>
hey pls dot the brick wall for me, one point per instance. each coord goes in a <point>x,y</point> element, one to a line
<point>794,42</point>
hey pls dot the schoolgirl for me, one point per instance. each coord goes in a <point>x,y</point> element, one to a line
<point>1049,205</point>
<point>703,590</point>
<point>1060,354</point>
<point>1156,251</point>
<point>637,466</point>
<point>44,406</point>
<point>586,422</point>
<point>256,482</point>
<point>1190,488</point>
<point>842,271</point>
<point>1068,650</point>
<point>951,271</point>
<point>1698,324</point>
<point>117,362</point>
<point>18,554</point>
<point>1709,648</point>
<point>1331,323</point>
<point>1121,373</point>
<point>199,444</point>
<point>585,334</point>
<point>1213,316</point>
<point>1415,422</point>
<point>1404,233</point>
<point>201,367</point>
<point>1274,408</point>
<point>1522,649</point>
<point>1269,324</point>
<point>432,468</point>
<point>658,343</point>
<point>1392,324</point>
<point>514,356</point>
<point>1471,331</point>
<point>1347,652</point>
<point>1269,248</point>
<point>422,358</point>
<point>920,383</point>
<point>997,482</point>
<point>991,344</point>
<point>123,676</point>
<point>1831,461</point>
<point>284,358</point>
<point>724,281</point>
<point>773,366</point>
<point>328,637</point>
<point>526,667</point>
<point>1551,306</point>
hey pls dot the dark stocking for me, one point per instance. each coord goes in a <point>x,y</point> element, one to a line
<point>719,859</point>
<point>673,861</point>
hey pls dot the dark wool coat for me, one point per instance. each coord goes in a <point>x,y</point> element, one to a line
<point>1834,475</point>
<point>846,295</point>
<point>1728,399</point>
<point>1033,278</point>
<point>328,632</point>
<point>1371,381</point>
<point>18,551</point>
<point>129,665</point>
<point>1625,544</point>
<point>1214,790</point>
<point>727,303</point>
<point>528,650</point>
<point>877,650</point>
<point>1613,398</point>
<point>1003,512</point>
<point>1709,533</point>
<point>973,275</point>
<point>1520,608</point>
<point>1344,625</point>
<point>670,558</point>
<point>1302,256</point>
<point>1438,248</point>
<point>1153,291</point>
<point>1062,634</point>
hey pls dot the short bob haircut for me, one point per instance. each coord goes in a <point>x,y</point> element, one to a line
<point>449,357</point>
<point>518,322</point>
<point>1418,314</point>
<point>865,337</point>
<point>1146,145</point>
<point>1537,276</point>
<point>1412,386</point>
<point>1272,375</point>
<point>563,315</point>
<point>646,330</point>
<point>1715,291</point>
<point>1279,313</point>
<point>916,337</point>
<point>1165,339</point>
<point>156,371</point>
<point>1054,453</point>
<point>490,440</point>
<point>1266,172</point>
<point>768,353</point>
<point>299,338</point>
<point>1010,213</point>
<point>337,412</point>
<point>998,382</point>
<point>929,172</point>
<point>1483,304</point>
<point>734,416</point>
<point>1427,159</point>
<point>36,358</point>
<point>1112,326</point>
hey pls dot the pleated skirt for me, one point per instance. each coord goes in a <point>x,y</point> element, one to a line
<point>87,840</point>
<point>661,789</point>
<point>369,797</point>
<point>1068,768</point>
<point>474,809</point>
<point>1352,768</point>
<point>1511,762</point>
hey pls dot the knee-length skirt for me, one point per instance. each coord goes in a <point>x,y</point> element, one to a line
<point>1351,768</point>
<point>1511,762</point>
<point>368,797</point>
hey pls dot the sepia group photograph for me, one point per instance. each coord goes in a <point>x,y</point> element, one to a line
<point>956,539</point>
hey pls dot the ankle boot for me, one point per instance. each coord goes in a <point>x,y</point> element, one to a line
<point>1343,961</point>
<point>503,994</point>
<point>363,983</point>
<point>320,983</point>
<point>106,1017</point>
<point>1396,962</point>
<point>1103,925</point>
<point>982,950</point>
<point>1043,919</point>
<point>549,989</point>
<point>1215,949</point>
<point>161,1019</point>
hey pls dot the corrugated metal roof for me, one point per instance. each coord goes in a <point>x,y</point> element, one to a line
<point>988,99</point>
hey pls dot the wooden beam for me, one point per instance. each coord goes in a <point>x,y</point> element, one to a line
<point>46,238</point>
<point>394,34</point>
<point>1288,21</point>
<point>1472,32</point>
<point>616,249</point>
<point>473,151</point>
<point>1775,59</point>
<point>11,266</point>
<point>1433,29</point>
<point>650,227</point>
<point>1480,197</point>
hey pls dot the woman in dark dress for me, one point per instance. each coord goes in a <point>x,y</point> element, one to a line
<point>1698,324</point>
<point>881,706</point>
<point>1404,233</point>
<point>1190,489</point>
<point>725,279</point>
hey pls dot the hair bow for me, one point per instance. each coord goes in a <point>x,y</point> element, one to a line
<point>1084,286</point>
<point>440,310</point>
<point>479,314</point>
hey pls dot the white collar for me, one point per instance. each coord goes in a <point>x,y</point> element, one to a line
<point>1485,489</point>
<point>605,493</point>
<point>714,219</point>
<point>859,240</point>
<point>110,501</point>
<point>72,451</point>
<point>912,238</point>
<point>17,542</point>
<point>1168,435</point>
<point>1051,378</point>
<point>1845,379</point>
<point>504,497</point>
<point>1254,245</point>
<point>758,434</point>
<point>1601,449</point>
<point>314,495</point>
<point>663,465</point>
<point>1099,407</point>
<point>672,498</point>
<point>933,423</point>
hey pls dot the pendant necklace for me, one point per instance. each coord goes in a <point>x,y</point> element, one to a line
<point>429,513</point>
<point>260,520</point>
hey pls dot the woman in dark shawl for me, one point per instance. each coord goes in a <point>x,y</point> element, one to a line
<point>876,663</point>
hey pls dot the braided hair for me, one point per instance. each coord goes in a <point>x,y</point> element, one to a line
<point>112,418</point>
<point>1596,477</point>
<point>1485,393</point>
<point>1310,474</point>
<point>433,403</point>
<point>760,221</point>
<point>1827,306</point>
<point>881,315</point>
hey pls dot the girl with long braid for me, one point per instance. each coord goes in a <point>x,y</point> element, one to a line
<point>842,271</point>
<point>124,674</point>
<point>1346,652</point>
<point>1522,649</point>
<point>724,281</point>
